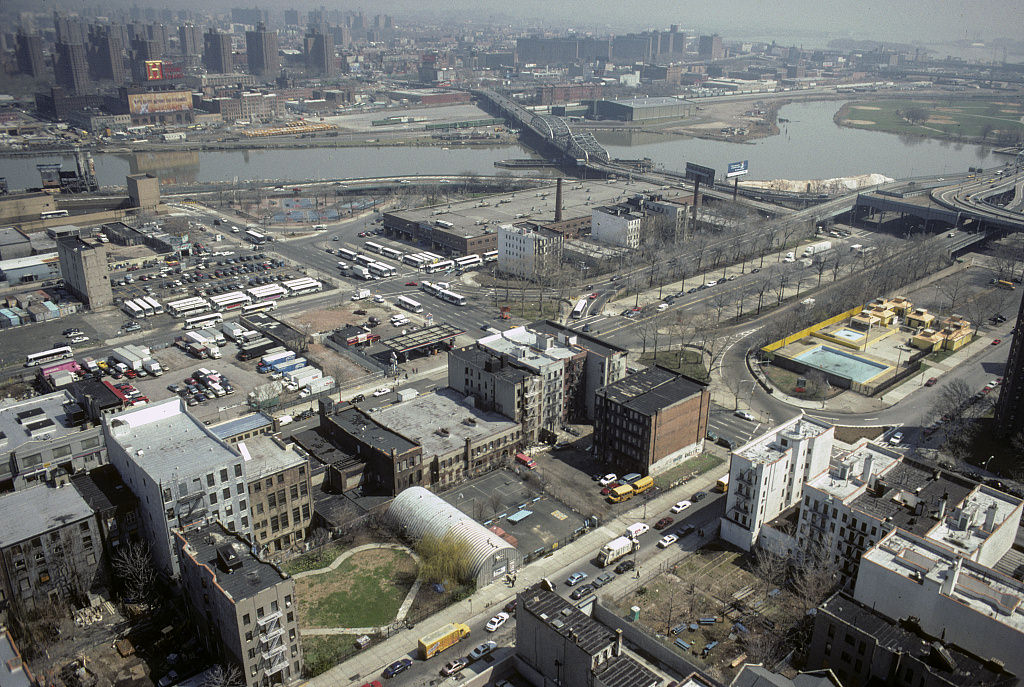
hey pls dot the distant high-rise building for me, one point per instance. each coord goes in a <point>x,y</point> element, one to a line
<point>68,29</point>
<point>1010,406</point>
<point>158,33</point>
<point>320,53</point>
<point>710,47</point>
<point>143,49</point>
<point>291,17</point>
<point>261,51</point>
<point>30,55</point>
<point>189,40</point>
<point>248,15</point>
<point>72,66</point>
<point>106,54</point>
<point>217,52</point>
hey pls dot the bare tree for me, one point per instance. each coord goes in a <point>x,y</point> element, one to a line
<point>770,566</point>
<point>815,576</point>
<point>222,675</point>
<point>133,565</point>
<point>668,610</point>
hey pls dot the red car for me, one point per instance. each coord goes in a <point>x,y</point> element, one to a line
<point>996,342</point>
<point>932,381</point>
<point>607,490</point>
<point>411,283</point>
<point>593,295</point>
<point>663,523</point>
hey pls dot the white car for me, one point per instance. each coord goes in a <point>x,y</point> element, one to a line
<point>383,391</point>
<point>681,506</point>
<point>607,479</point>
<point>744,415</point>
<point>662,306</point>
<point>378,298</point>
<point>896,438</point>
<point>667,541</point>
<point>497,621</point>
<point>482,650</point>
<point>81,338</point>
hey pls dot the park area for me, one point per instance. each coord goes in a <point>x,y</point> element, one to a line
<point>716,598</point>
<point>995,121</point>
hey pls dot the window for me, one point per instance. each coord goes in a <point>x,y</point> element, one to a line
<point>245,521</point>
<point>274,526</point>
<point>280,478</point>
<point>83,526</point>
<point>280,496</point>
<point>227,493</point>
<point>303,489</point>
<point>223,474</point>
<point>259,612</point>
<point>290,617</point>
<point>291,635</point>
<point>257,486</point>
<point>209,480</point>
<point>241,505</point>
<point>284,520</point>
<point>273,606</point>
<point>294,491</point>
<point>287,600</point>
<point>167,495</point>
<point>270,483</point>
<point>170,513</point>
<point>271,501</point>
<point>295,515</point>
<point>259,509</point>
<point>213,498</point>
<point>238,469</point>
<point>87,542</point>
<point>44,576</point>
<point>61,452</point>
<point>240,488</point>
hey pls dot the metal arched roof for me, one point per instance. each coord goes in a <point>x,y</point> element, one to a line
<point>421,513</point>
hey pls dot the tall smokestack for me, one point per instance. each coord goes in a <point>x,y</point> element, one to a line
<point>558,200</point>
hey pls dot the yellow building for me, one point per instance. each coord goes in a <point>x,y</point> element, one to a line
<point>927,340</point>
<point>901,306</point>
<point>920,318</point>
<point>956,332</point>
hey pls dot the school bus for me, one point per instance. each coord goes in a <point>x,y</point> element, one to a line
<point>643,484</point>
<point>622,493</point>
<point>1004,284</point>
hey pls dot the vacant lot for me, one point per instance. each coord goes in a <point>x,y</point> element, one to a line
<point>366,590</point>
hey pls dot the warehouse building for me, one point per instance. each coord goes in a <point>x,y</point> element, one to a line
<point>419,513</point>
<point>642,109</point>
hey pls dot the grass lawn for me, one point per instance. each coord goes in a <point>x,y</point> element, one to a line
<point>315,560</point>
<point>972,119</point>
<point>321,653</point>
<point>686,361</point>
<point>530,309</point>
<point>366,590</point>
<point>698,464</point>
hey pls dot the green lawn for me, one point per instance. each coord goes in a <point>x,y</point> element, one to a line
<point>686,361</point>
<point>968,119</point>
<point>366,590</point>
<point>698,464</point>
<point>315,560</point>
<point>321,653</point>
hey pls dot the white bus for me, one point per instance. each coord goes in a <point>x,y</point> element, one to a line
<point>581,307</point>
<point>258,306</point>
<point>380,270</point>
<point>267,292</point>
<point>408,304</point>
<point>204,321</point>
<point>132,309</point>
<point>363,260</point>
<point>432,257</point>
<point>231,301</point>
<point>188,307</point>
<point>442,266</point>
<point>302,286</point>
<point>50,356</point>
<point>147,309</point>
<point>491,256</point>
<point>452,297</point>
<point>372,247</point>
<point>157,308</point>
<point>468,261</point>
<point>255,237</point>
<point>347,254</point>
<point>52,214</point>
<point>391,253</point>
<point>418,260</point>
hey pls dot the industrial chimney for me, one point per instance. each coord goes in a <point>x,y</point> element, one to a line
<point>558,200</point>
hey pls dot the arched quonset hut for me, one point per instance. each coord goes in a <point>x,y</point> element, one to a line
<point>420,513</point>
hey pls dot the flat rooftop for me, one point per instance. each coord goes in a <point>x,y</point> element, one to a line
<point>639,103</point>
<point>531,349</point>
<point>652,389</point>
<point>40,419</point>
<point>34,511</point>
<point>442,422</point>
<point>845,477</point>
<point>586,341</point>
<point>167,442</point>
<point>359,424</point>
<point>767,448</point>
<point>421,338</point>
<point>483,215</point>
<point>252,575</point>
<point>265,456</point>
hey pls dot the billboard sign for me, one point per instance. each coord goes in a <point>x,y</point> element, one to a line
<point>159,101</point>
<point>705,175</point>
<point>737,169</point>
<point>154,70</point>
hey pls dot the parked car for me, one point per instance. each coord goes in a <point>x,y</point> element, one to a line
<point>575,579</point>
<point>81,338</point>
<point>497,621</point>
<point>607,479</point>
<point>667,541</point>
<point>510,607</point>
<point>602,579</point>
<point>358,398</point>
<point>399,666</point>
<point>896,438</point>
<point>932,381</point>
<point>996,342</point>
<point>481,650</point>
<point>582,591</point>
<point>664,522</point>
<point>382,391</point>
<point>681,506</point>
<point>625,566</point>
<point>453,666</point>
<point>699,496</point>
<point>744,415</point>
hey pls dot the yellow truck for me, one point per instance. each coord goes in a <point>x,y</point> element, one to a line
<point>442,638</point>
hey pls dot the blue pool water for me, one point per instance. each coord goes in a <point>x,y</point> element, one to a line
<point>841,363</point>
<point>851,335</point>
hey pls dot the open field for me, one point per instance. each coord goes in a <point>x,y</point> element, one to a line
<point>995,121</point>
<point>365,590</point>
<point>321,653</point>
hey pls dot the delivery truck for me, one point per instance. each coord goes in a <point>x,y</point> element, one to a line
<point>816,248</point>
<point>441,639</point>
<point>283,366</point>
<point>360,294</point>
<point>124,355</point>
<point>615,550</point>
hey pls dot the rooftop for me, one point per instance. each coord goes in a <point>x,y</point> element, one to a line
<point>442,422</point>
<point>490,362</point>
<point>567,620</point>
<point>658,101</point>
<point>359,424</point>
<point>239,572</point>
<point>961,668</point>
<point>531,349</point>
<point>28,261</point>
<point>241,425</point>
<point>930,563</point>
<point>38,419</point>
<point>767,448</point>
<point>34,511</point>
<point>845,478</point>
<point>651,390</point>
<point>104,490</point>
<point>14,672</point>
<point>265,455</point>
<point>167,442</point>
<point>427,336</point>
<point>586,341</point>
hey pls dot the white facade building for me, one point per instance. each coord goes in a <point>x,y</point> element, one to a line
<point>767,476</point>
<point>182,474</point>
<point>618,225</point>
<point>525,249</point>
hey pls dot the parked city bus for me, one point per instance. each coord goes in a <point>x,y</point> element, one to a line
<point>132,310</point>
<point>372,247</point>
<point>50,356</point>
<point>204,321</point>
<point>363,260</point>
<point>187,307</point>
<point>53,214</point>
<point>391,253</point>
<point>147,309</point>
<point>442,266</point>
<point>255,237</point>
<point>230,301</point>
<point>259,306</point>
<point>408,304</point>
<point>417,260</point>
<point>491,256</point>
<point>379,269</point>
<point>347,254</point>
<point>157,308</point>
<point>468,261</point>
<point>579,309</point>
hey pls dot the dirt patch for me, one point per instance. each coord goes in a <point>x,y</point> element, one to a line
<point>334,364</point>
<point>858,122</point>
<point>864,107</point>
<point>709,125</point>
<point>325,319</point>
<point>851,435</point>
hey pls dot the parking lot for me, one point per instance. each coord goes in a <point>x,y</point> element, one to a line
<point>492,498</point>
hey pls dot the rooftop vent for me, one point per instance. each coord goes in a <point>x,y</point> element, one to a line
<point>252,577</point>
<point>228,558</point>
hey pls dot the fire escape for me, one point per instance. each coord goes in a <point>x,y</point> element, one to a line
<point>272,647</point>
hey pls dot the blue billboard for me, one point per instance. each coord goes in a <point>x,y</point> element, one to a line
<point>736,169</point>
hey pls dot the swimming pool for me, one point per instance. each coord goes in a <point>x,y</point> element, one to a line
<point>841,363</point>
<point>851,335</point>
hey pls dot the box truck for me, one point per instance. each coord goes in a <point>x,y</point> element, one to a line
<point>434,643</point>
<point>816,248</point>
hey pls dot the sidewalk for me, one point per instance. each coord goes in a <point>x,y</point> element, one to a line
<point>487,601</point>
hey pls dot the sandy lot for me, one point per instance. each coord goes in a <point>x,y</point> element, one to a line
<point>865,107</point>
<point>860,122</point>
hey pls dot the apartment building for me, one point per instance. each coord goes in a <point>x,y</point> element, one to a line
<point>243,605</point>
<point>183,475</point>
<point>618,225</point>
<point>50,548</point>
<point>528,250</point>
<point>83,264</point>
<point>280,497</point>
<point>46,439</point>
<point>767,477</point>
<point>650,421</point>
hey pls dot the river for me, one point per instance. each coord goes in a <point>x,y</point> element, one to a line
<point>810,146</point>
